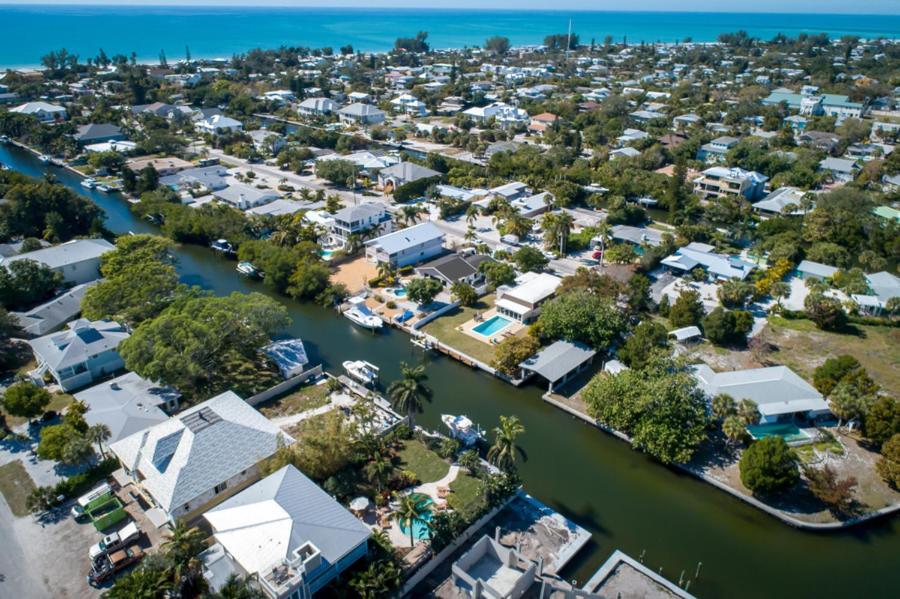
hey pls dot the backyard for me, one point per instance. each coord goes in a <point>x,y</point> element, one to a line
<point>446,330</point>
<point>417,458</point>
<point>306,398</point>
<point>16,485</point>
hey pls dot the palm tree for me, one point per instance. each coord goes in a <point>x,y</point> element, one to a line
<point>472,213</point>
<point>144,582</point>
<point>184,543</point>
<point>410,214</point>
<point>779,291</point>
<point>733,428</point>
<point>378,471</point>
<point>503,452</point>
<point>413,509</point>
<point>237,588</point>
<point>748,412</point>
<point>409,393</point>
<point>557,227</point>
<point>384,271</point>
<point>99,433</point>
<point>723,406</point>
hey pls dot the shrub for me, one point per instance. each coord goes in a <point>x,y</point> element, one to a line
<point>889,464</point>
<point>768,465</point>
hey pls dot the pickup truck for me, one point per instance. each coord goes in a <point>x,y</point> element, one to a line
<point>110,564</point>
<point>113,541</point>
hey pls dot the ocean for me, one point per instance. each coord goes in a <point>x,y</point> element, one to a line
<point>29,32</point>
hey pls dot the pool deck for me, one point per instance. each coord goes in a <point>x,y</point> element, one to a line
<point>510,330</point>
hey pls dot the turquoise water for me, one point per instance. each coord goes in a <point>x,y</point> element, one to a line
<point>492,326</point>
<point>421,529</point>
<point>788,432</point>
<point>29,32</point>
<point>399,291</point>
<point>326,254</point>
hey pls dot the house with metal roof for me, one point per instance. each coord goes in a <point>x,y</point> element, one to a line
<point>720,266</point>
<point>558,362</point>
<point>244,197</point>
<point>716,150</point>
<point>638,236</point>
<point>407,246</point>
<point>128,404</point>
<point>355,220</point>
<point>807,269</point>
<point>778,392</point>
<point>523,302</point>
<point>286,533</point>
<point>95,133</point>
<point>42,111</point>
<point>82,353</point>
<point>199,455</point>
<point>78,261</point>
<point>51,315</point>
<point>317,106</point>
<point>361,114</point>
<point>782,201</point>
<point>840,169</point>
<point>218,124</point>
<point>883,286</point>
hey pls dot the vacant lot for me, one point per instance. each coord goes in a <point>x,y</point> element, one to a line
<point>301,400</point>
<point>16,485</point>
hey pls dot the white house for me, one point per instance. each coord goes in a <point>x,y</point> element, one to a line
<point>353,220</point>
<point>720,266</point>
<point>78,261</point>
<point>409,104</point>
<point>407,246</point>
<point>523,302</point>
<point>317,107</point>
<point>218,124</point>
<point>501,113</point>
<point>82,353</point>
<point>42,111</point>
<point>361,114</point>
<point>244,197</point>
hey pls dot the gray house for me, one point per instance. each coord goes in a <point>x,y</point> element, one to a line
<point>49,316</point>
<point>394,176</point>
<point>98,133</point>
<point>84,352</point>
<point>361,114</point>
<point>407,246</point>
<point>78,261</point>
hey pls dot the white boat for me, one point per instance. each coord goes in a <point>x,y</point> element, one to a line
<point>463,429</point>
<point>4,139</point>
<point>248,270</point>
<point>106,188</point>
<point>89,183</point>
<point>222,245</point>
<point>364,372</point>
<point>358,313</point>
<point>44,158</point>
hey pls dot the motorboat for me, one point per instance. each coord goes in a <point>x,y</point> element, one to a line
<point>4,139</point>
<point>362,371</point>
<point>248,270</point>
<point>222,245</point>
<point>359,314</point>
<point>89,183</point>
<point>44,158</point>
<point>462,429</point>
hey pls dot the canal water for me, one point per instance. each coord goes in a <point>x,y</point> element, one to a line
<point>626,500</point>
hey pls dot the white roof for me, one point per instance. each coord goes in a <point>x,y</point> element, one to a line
<point>64,254</point>
<point>398,241</point>
<point>35,107</point>
<point>126,404</point>
<point>774,390</point>
<point>534,289</point>
<point>80,341</point>
<point>700,254</point>
<point>189,454</point>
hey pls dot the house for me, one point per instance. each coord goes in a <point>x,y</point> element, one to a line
<point>355,220</point>
<point>807,269</point>
<point>168,165</point>
<point>716,150</point>
<point>686,121</point>
<point>719,181</point>
<point>778,392</point>
<point>533,205</point>
<point>523,302</point>
<point>359,97</point>
<point>244,197</point>
<point>883,286</point>
<point>82,353</point>
<point>453,268</point>
<point>841,170</point>
<point>541,122</point>
<point>782,201</point>
<point>558,363</point>
<point>98,133</point>
<point>51,315</point>
<point>128,404</point>
<point>42,111</point>
<point>720,266</point>
<point>820,140</point>
<point>266,142</point>
<point>623,153</point>
<point>501,113</point>
<point>409,104</point>
<point>218,124</point>
<point>489,569</point>
<point>366,160</point>
<point>812,104</point>
<point>392,177</point>
<point>631,136</point>
<point>203,453</point>
<point>202,178</point>
<point>317,107</point>
<point>78,261</point>
<point>509,191</point>
<point>498,147</point>
<point>638,236</point>
<point>286,533</point>
<point>361,114</point>
<point>407,246</point>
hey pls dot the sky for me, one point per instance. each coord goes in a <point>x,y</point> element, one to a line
<point>891,7</point>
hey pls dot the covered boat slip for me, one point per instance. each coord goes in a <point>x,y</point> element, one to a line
<point>558,362</point>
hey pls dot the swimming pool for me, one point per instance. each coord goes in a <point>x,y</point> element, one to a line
<point>421,528</point>
<point>398,291</point>
<point>492,326</point>
<point>326,254</point>
<point>788,431</point>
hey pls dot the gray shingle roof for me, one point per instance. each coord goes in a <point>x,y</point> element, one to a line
<point>81,340</point>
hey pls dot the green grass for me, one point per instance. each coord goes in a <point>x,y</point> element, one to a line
<point>466,496</point>
<point>304,399</point>
<point>16,485</point>
<point>58,402</point>
<point>444,328</point>
<point>807,452</point>
<point>426,464</point>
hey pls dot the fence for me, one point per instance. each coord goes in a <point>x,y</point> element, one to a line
<point>285,386</point>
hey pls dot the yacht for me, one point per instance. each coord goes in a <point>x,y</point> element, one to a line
<point>362,371</point>
<point>248,270</point>
<point>359,314</point>
<point>89,183</point>
<point>463,429</point>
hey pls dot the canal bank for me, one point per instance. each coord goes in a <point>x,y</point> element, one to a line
<point>625,499</point>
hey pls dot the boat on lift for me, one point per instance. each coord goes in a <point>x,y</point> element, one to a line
<point>89,183</point>
<point>463,429</point>
<point>359,314</point>
<point>362,371</point>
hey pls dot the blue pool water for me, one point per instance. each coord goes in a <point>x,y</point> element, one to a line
<point>399,291</point>
<point>326,254</point>
<point>789,432</point>
<point>491,326</point>
<point>421,528</point>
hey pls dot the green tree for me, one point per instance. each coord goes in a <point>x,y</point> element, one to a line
<point>423,290</point>
<point>687,309</point>
<point>413,510</point>
<point>497,273</point>
<point>309,279</point>
<point>497,45</point>
<point>529,259</point>
<point>237,587</point>
<point>410,392</point>
<point>648,338</point>
<point>336,171</point>
<point>135,294</point>
<point>504,450</point>
<point>768,466</point>
<point>512,351</point>
<point>150,580</point>
<point>464,293</point>
<point>734,293</point>
<point>581,316</point>
<point>723,406</point>
<point>99,434</point>
<point>832,371</point>
<point>723,326</point>
<point>27,283</point>
<point>825,311</point>
<point>64,443</point>
<point>748,412</point>
<point>882,420</point>
<point>888,465</point>
<point>25,400</point>
<point>834,492</point>
<point>557,228</point>
<point>734,429</point>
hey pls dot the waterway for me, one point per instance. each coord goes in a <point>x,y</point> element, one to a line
<point>626,500</point>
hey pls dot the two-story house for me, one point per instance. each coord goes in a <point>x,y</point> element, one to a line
<point>355,220</point>
<point>719,181</point>
<point>523,302</point>
<point>407,246</point>
<point>82,353</point>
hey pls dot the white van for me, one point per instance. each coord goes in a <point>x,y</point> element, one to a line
<point>95,493</point>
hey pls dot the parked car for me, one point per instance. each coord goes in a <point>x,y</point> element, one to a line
<point>116,540</point>
<point>110,564</point>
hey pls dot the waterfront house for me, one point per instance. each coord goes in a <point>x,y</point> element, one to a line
<point>489,569</point>
<point>407,246</point>
<point>392,177</point>
<point>78,261</point>
<point>266,142</point>
<point>80,354</point>
<point>355,220</point>
<point>98,133</point>
<point>781,202</point>
<point>638,236</point>
<point>202,454</point>
<point>778,392</point>
<point>286,533</point>
<point>128,404</point>
<point>361,114</point>
<point>317,107</point>
<point>199,180</point>
<point>244,197</point>
<point>367,161</point>
<point>701,255</point>
<point>218,124</point>
<point>51,315</point>
<point>716,150</point>
<point>42,111</point>
<point>719,181</point>
<point>558,363</point>
<point>454,268</point>
<point>523,302</point>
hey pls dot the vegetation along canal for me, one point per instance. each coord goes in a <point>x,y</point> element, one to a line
<point>626,500</point>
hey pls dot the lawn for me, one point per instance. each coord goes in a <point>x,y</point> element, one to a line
<point>466,496</point>
<point>58,402</point>
<point>444,328</point>
<point>417,458</point>
<point>803,347</point>
<point>304,399</point>
<point>16,485</point>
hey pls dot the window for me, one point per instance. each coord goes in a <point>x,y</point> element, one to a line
<point>219,488</point>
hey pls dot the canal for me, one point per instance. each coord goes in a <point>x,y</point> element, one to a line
<point>627,501</point>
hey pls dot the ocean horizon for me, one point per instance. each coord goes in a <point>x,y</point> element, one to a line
<point>30,31</point>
